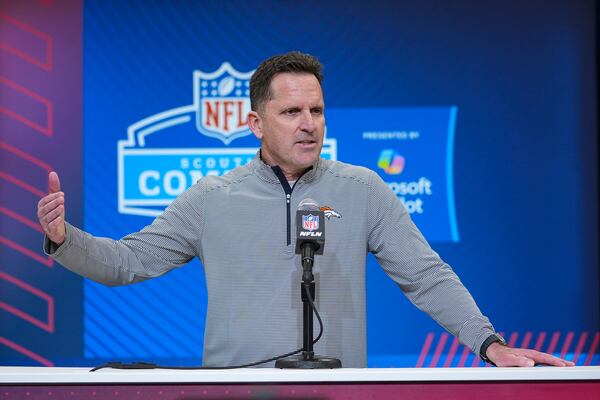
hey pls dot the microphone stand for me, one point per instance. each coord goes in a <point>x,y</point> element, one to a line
<point>308,359</point>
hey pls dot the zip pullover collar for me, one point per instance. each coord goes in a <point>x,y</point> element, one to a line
<point>272,174</point>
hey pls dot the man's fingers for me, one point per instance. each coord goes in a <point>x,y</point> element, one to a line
<point>517,361</point>
<point>46,199</point>
<point>49,203</point>
<point>56,224</point>
<point>514,360</point>
<point>549,359</point>
<point>510,357</point>
<point>521,361</point>
<point>53,182</point>
<point>55,228</point>
<point>58,212</point>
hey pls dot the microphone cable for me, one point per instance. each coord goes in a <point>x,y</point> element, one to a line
<point>147,365</point>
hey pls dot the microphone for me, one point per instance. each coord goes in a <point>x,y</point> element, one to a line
<point>310,240</point>
<point>310,233</point>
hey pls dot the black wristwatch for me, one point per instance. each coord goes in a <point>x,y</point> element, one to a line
<point>494,338</point>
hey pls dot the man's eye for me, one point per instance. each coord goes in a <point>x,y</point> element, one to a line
<point>317,111</point>
<point>291,111</point>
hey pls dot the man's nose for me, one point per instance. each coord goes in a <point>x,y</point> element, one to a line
<point>308,122</point>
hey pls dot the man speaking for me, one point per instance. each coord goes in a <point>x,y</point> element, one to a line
<point>240,226</point>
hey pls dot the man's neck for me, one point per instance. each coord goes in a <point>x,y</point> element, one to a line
<point>291,176</point>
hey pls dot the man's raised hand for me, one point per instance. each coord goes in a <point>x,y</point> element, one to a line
<point>51,211</point>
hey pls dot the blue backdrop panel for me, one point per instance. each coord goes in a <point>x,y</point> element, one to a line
<point>413,151</point>
<point>488,133</point>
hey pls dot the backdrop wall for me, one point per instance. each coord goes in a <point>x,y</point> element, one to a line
<point>481,117</point>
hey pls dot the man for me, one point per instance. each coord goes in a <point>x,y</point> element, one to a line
<point>252,273</point>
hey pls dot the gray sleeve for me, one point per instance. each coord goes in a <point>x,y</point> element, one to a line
<point>172,240</point>
<point>428,282</point>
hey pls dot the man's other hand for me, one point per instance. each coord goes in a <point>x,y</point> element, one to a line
<point>504,356</point>
<point>51,211</point>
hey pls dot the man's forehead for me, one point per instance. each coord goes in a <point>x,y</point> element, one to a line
<point>290,84</point>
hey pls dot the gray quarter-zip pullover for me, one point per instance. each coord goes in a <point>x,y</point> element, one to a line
<point>240,225</point>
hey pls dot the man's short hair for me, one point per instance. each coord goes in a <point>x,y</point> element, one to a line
<point>294,62</point>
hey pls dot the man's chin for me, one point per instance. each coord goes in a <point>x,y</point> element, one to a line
<point>306,162</point>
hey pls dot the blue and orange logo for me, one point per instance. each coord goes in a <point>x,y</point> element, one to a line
<point>391,162</point>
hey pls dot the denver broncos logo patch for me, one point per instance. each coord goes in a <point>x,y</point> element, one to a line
<point>330,212</point>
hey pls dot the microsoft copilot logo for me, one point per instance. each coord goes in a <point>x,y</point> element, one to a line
<point>391,162</point>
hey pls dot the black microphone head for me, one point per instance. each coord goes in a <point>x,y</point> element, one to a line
<point>310,226</point>
<point>308,205</point>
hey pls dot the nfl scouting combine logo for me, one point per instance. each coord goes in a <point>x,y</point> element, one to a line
<point>167,152</point>
<point>222,102</point>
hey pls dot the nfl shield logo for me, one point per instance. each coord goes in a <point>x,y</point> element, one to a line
<point>310,222</point>
<point>222,102</point>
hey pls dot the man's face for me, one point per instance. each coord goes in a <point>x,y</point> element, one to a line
<point>291,125</point>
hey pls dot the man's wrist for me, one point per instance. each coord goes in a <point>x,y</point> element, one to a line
<point>51,246</point>
<point>493,342</point>
<point>493,349</point>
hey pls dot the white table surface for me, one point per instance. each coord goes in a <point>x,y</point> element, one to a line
<point>43,375</point>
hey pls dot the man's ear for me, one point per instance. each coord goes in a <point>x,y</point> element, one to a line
<point>255,124</point>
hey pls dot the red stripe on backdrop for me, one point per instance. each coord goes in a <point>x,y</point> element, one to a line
<point>45,325</point>
<point>47,130</point>
<point>526,340</point>
<point>540,341</point>
<point>22,184</point>
<point>567,344</point>
<point>47,39</point>
<point>25,155</point>
<point>425,349</point>
<point>438,350</point>
<point>553,342</point>
<point>513,339</point>
<point>463,357</point>
<point>593,348</point>
<point>26,352</point>
<point>24,220</point>
<point>476,361</point>
<point>47,261</point>
<point>451,353</point>
<point>579,347</point>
